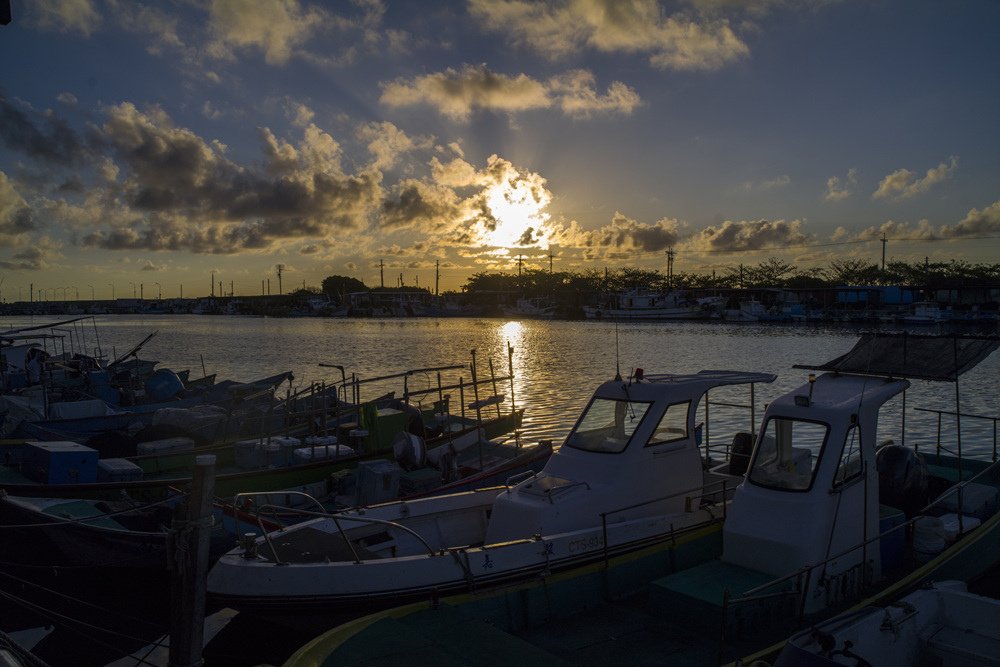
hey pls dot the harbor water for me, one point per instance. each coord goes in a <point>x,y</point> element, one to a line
<point>557,364</point>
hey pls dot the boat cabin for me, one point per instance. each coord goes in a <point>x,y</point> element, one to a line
<point>634,452</point>
<point>811,490</point>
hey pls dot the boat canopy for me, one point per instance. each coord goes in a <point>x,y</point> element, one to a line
<point>902,355</point>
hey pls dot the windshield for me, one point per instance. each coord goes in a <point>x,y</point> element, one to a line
<point>607,425</point>
<point>787,454</point>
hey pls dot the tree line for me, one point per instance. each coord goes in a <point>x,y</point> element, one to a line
<point>769,273</point>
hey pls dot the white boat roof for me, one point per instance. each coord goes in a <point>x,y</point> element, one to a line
<point>837,393</point>
<point>692,385</point>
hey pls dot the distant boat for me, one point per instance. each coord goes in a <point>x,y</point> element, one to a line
<point>924,312</point>
<point>538,308</point>
<point>638,305</point>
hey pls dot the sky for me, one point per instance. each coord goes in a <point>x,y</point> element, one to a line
<point>193,146</point>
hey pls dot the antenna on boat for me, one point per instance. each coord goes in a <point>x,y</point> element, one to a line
<point>618,368</point>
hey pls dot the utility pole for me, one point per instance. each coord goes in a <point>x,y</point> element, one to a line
<point>884,240</point>
<point>232,292</point>
<point>182,290</point>
<point>262,287</point>
<point>213,283</point>
<point>670,268</point>
<point>31,293</point>
<point>437,275</point>
<point>550,262</point>
<point>381,273</point>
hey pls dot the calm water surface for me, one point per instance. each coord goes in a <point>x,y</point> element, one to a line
<point>557,363</point>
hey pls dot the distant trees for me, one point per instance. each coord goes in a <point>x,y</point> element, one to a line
<point>771,272</point>
<point>337,286</point>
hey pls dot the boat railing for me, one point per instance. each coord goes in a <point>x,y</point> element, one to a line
<point>336,517</point>
<point>519,477</point>
<point>699,492</point>
<point>951,413</point>
<point>725,449</point>
<point>240,500</point>
<point>354,382</point>
<point>853,582</point>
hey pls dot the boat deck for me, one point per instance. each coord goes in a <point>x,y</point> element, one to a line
<point>309,545</point>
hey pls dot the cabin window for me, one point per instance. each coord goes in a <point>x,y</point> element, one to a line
<point>607,425</point>
<point>787,454</point>
<point>673,425</point>
<point>850,459</point>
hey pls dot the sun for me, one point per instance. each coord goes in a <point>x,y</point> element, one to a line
<point>517,207</point>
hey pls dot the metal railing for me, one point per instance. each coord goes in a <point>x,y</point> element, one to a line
<point>337,518</point>
<point>700,492</point>
<point>950,413</point>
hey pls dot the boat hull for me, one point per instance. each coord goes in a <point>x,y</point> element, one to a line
<point>371,583</point>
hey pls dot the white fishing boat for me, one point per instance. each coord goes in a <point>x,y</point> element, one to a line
<point>639,305</point>
<point>628,475</point>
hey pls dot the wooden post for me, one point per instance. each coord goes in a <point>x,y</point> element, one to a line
<point>188,559</point>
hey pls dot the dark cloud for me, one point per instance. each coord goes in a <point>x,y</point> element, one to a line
<point>44,136</point>
<point>29,259</point>
<point>417,204</point>
<point>625,233</point>
<point>18,221</point>
<point>171,173</point>
<point>749,235</point>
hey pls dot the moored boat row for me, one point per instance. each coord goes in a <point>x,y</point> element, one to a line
<point>821,519</point>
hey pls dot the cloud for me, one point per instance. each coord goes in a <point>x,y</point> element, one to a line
<point>63,16</point>
<point>387,143</point>
<point>576,95</point>
<point>283,30</point>
<point>975,223</point>
<point>50,139</point>
<point>189,196</point>
<point>626,234</point>
<point>903,183</point>
<point>159,28</point>
<point>16,217</point>
<point>621,238</point>
<point>837,190</point>
<point>568,27</point>
<point>749,235</point>
<point>985,222</point>
<point>278,29</point>
<point>458,93</point>
<point>413,203</point>
<point>34,257</point>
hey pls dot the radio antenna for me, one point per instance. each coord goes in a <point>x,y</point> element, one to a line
<point>618,370</point>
